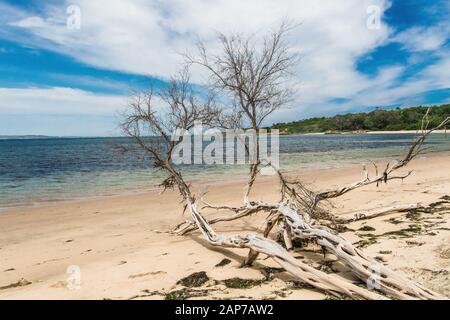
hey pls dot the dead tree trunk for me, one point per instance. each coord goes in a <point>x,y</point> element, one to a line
<point>328,283</point>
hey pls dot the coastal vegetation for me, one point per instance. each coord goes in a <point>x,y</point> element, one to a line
<point>376,120</point>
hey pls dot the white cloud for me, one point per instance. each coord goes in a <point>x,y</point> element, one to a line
<point>424,38</point>
<point>58,101</point>
<point>438,74</point>
<point>30,22</point>
<point>146,36</point>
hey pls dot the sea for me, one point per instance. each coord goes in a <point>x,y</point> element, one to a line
<point>42,170</point>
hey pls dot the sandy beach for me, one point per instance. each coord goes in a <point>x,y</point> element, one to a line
<point>123,251</point>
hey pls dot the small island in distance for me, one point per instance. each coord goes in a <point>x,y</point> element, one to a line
<point>376,120</point>
<point>31,136</point>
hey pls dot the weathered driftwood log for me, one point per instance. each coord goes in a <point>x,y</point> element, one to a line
<point>256,243</point>
<point>365,268</point>
<point>239,212</point>
<point>294,225</point>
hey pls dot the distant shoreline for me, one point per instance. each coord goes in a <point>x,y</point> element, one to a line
<point>41,137</point>
<point>362,132</point>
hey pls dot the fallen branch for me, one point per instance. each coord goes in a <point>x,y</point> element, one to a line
<point>239,212</point>
<point>387,173</point>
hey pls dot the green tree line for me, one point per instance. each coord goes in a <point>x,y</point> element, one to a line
<point>376,120</point>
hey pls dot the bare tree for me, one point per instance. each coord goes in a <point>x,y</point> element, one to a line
<point>253,79</point>
<point>152,126</point>
<point>178,108</point>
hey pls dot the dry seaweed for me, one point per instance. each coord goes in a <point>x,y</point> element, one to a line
<point>194,280</point>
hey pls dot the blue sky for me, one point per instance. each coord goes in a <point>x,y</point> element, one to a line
<point>57,80</point>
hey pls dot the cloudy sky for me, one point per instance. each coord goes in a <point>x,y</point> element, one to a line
<point>67,67</point>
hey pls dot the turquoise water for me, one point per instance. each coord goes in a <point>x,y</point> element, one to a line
<point>37,170</point>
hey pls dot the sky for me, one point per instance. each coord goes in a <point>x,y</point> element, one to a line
<point>67,68</point>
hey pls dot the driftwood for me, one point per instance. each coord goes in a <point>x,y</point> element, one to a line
<point>239,212</point>
<point>387,173</point>
<point>297,223</point>
<point>184,111</point>
<point>295,227</point>
<point>252,78</point>
<point>387,281</point>
<point>256,243</point>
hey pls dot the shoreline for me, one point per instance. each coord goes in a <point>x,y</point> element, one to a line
<point>155,190</point>
<point>37,137</point>
<point>365,132</point>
